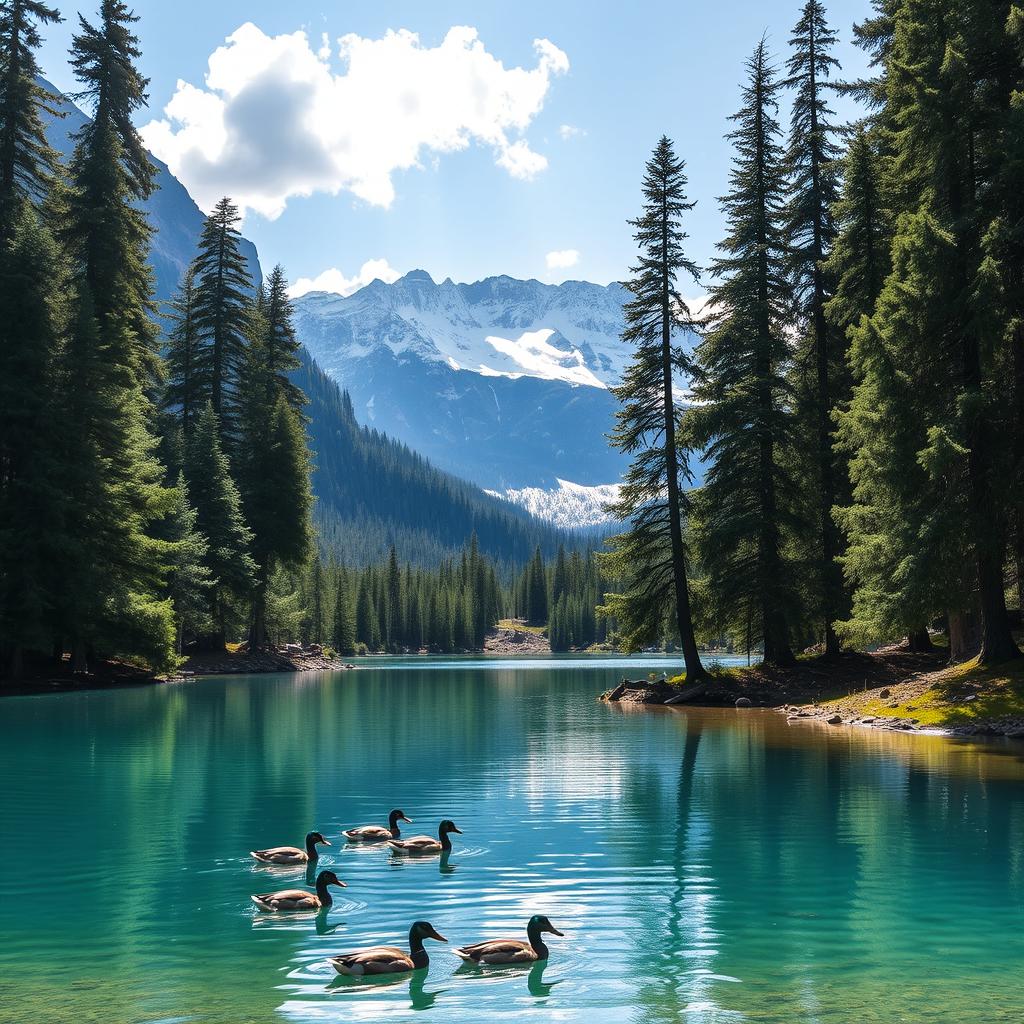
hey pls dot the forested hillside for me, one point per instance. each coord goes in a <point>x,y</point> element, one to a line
<point>374,492</point>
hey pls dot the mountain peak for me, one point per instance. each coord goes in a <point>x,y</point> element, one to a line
<point>416,277</point>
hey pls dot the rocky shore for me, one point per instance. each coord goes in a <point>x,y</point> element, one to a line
<point>242,661</point>
<point>893,689</point>
<point>513,641</point>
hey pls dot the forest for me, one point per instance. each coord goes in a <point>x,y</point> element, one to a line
<point>855,388</point>
<point>857,385</point>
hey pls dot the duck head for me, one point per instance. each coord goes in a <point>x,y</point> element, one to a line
<point>539,924</point>
<point>447,826</point>
<point>326,878</point>
<point>313,839</point>
<point>396,816</point>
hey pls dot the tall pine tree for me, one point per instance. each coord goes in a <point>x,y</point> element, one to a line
<point>743,415</point>
<point>651,556</point>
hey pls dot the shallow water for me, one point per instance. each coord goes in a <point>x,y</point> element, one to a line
<point>704,865</point>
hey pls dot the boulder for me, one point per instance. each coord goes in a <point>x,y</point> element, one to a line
<point>834,720</point>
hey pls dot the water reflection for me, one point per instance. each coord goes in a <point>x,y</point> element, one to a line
<point>707,866</point>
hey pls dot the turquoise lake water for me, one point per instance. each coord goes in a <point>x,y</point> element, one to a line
<point>705,866</point>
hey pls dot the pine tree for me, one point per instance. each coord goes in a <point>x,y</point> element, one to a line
<point>188,579</point>
<point>222,312</point>
<point>218,505</point>
<point>282,346</point>
<point>811,166</point>
<point>936,317</point>
<point>113,572</point>
<point>27,163</point>
<point>31,500</point>
<point>651,556</point>
<point>343,631</point>
<point>743,413</point>
<point>367,628</point>
<point>537,591</point>
<point>186,390</point>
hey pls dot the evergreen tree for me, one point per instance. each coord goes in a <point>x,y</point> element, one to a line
<point>221,314</point>
<point>188,579</point>
<point>743,412</point>
<point>218,505</point>
<point>113,572</point>
<point>32,530</point>
<point>186,390</point>
<point>811,166</point>
<point>537,591</point>
<point>282,346</point>
<point>27,163</point>
<point>343,632</point>
<point>651,556</point>
<point>938,313</point>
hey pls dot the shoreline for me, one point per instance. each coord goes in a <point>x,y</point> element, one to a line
<point>892,689</point>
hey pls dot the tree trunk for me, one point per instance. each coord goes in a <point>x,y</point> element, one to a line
<point>79,656</point>
<point>695,670</point>
<point>258,622</point>
<point>964,634</point>
<point>919,641</point>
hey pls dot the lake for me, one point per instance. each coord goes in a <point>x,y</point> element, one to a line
<point>705,865</point>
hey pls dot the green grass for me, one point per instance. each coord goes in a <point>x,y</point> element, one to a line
<point>997,692</point>
<point>521,626</point>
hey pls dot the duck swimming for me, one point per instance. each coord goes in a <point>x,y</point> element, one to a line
<point>389,959</point>
<point>300,899</point>
<point>378,833</point>
<point>427,844</point>
<point>511,951</point>
<point>292,854</point>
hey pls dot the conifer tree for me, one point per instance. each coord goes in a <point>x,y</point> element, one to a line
<point>188,579</point>
<point>114,570</point>
<point>743,413</point>
<point>32,530</point>
<point>219,518</point>
<point>27,162</point>
<point>651,557</point>
<point>537,591</point>
<point>222,286</point>
<point>186,390</point>
<point>811,167</point>
<point>282,346</point>
<point>343,631</point>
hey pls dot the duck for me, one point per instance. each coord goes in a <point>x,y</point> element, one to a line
<point>427,844</point>
<point>378,833</point>
<point>511,951</point>
<point>292,854</point>
<point>300,899</point>
<point>389,959</point>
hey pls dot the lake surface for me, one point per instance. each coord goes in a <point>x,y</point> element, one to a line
<point>705,866</point>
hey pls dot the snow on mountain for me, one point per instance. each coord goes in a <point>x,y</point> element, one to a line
<point>496,327</point>
<point>568,505</point>
<point>502,381</point>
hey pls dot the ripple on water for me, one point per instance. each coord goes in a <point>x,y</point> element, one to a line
<point>705,867</point>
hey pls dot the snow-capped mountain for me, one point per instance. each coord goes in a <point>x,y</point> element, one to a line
<point>568,505</point>
<point>504,381</point>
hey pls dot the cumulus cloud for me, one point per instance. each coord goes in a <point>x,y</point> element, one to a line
<point>562,259</point>
<point>274,119</point>
<point>569,131</point>
<point>333,280</point>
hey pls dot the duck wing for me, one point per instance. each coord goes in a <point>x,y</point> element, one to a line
<point>375,960</point>
<point>368,834</point>
<point>279,854</point>
<point>416,844</point>
<point>287,899</point>
<point>497,951</point>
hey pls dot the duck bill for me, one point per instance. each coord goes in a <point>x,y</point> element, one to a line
<point>459,830</point>
<point>555,931</point>
<point>326,842</point>
<point>435,934</point>
<point>408,821</point>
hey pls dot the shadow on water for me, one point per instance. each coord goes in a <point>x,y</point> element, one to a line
<point>420,998</point>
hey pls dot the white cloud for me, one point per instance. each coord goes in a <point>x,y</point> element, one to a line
<point>562,259</point>
<point>569,131</point>
<point>274,120</point>
<point>333,280</point>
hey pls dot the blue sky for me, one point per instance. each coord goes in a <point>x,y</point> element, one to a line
<point>513,165</point>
